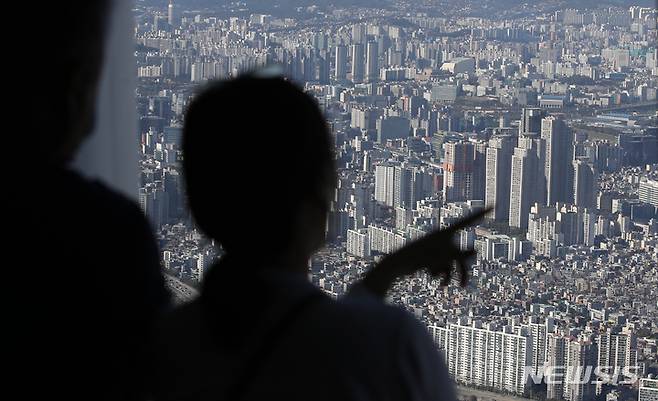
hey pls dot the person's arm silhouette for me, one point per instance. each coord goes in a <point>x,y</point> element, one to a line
<point>436,252</point>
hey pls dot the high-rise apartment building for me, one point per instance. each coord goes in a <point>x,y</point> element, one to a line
<point>340,63</point>
<point>173,15</point>
<point>617,352</point>
<point>527,179</point>
<point>531,120</point>
<point>358,65</point>
<point>488,355</point>
<point>648,192</point>
<point>579,382</point>
<point>498,167</point>
<point>372,62</point>
<point>557,348</point>
<point>559,153</point>
<point>458,171</point>
<point>584,183</point>
<point>648,390</point>
<point>358,243</point>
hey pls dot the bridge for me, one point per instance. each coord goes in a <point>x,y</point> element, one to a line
<point>180,291</point>
<point>631,107</point>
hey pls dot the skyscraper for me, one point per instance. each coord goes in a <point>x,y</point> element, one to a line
<point>617,352</point>
<point>498,170</point>
<point>584,183</point>
<point>559,152</point>
<point>458,171</point>
<point>527,180</point>
<point>578,383</point>
<point>557,349</point>
<point>397,186</point>
<point>479,170</point>
<point>172,15</point>
<point>340,71</point>
<point>384,183</point>
<point>358,33</point>
<point>539,332</point>
<point>531,120</point>
<point>372,62</point>
<point>569,369</point>
<point>402,188</point>
<point>357,63</point>
<point>324,66</point>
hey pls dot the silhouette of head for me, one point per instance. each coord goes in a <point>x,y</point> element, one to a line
<point>61,73</point>
<point>259,167</point>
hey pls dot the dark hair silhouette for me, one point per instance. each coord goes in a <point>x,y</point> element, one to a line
<point>58,109</point>
<point>254,150</point>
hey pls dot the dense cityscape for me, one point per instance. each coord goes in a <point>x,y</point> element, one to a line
<point>543,112</point>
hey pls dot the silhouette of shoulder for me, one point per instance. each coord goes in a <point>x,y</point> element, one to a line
<point>95,283</point>
<point>354,348</point>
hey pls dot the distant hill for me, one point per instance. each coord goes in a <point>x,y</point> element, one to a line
<point>278,6</point>
<point>271,4</point>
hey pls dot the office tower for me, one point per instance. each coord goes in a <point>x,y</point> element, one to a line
<point>557,349</point>
<point>531,120</point>
<point>584,183</point>
<point>358,67</point>
<point>498,168</point>
<point>172,15</point>
<point>648,390</point>
<point>617,352</point>
<point>372,62</point>
<point>578,383</point>
<point>458,171</point>
<point>340,72</point>
<point>557,167</point>
<point>527,179</point>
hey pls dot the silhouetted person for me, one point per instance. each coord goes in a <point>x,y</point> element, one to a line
<point>82,257</point>
<point>260,174</point>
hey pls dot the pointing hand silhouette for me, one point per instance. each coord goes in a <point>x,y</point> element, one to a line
<point>435,252</point>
